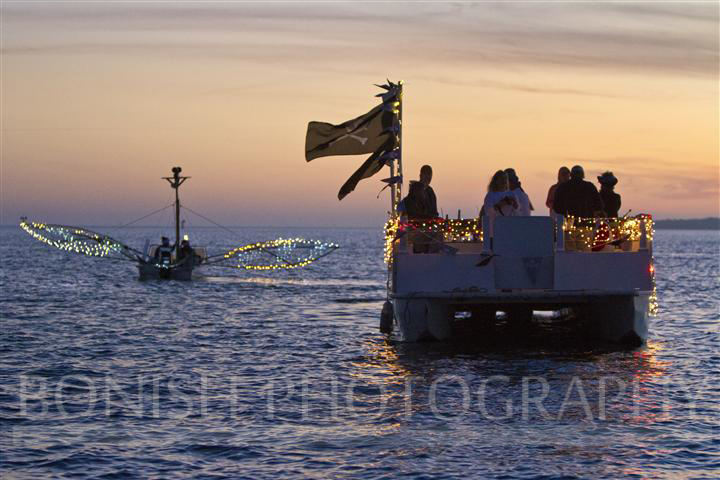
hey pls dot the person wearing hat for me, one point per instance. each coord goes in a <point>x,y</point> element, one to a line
<point>610,199</point>
<point>578,197</point>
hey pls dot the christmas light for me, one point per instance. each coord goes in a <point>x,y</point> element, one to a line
<point>582,234</point>
<point>654,307</point>
<point>273,255</point>
<point>585,234</point>
<point>76,240</point>
<point>465,230</point>
<point>279,254</point>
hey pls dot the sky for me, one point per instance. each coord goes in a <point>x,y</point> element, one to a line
<point>100,100</point>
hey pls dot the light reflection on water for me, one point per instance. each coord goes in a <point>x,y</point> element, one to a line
<point>285,374</point>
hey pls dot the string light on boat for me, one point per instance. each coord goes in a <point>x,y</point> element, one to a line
<point>391,229</point>
<point>583,234</point>
<point>587,234</point>
<point>279,254</point>
<point>654,307</point>
<point>461,230</point>
<point>72,239</point>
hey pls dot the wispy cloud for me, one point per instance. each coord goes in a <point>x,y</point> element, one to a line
<point>672,38</point>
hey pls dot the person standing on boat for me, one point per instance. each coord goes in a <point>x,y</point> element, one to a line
<point>563,176</point>
<point>164,252</point>
<point>421,202</point>
<point>185,250</point>
<point>525,206</point>
<point>611,200</point>
<point>578,197</point>
<point>499,201</point>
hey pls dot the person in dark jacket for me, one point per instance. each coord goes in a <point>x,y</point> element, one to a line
<point>578,197</point>
<point>421,201</point>
<point>563,176</point>
<point>611,200</point>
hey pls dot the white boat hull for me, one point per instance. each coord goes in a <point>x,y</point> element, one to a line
<point>613,319</point>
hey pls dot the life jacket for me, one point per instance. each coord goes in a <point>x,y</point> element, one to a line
<point>165,254</point>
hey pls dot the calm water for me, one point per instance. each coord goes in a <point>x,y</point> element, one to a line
<point>285,374</point>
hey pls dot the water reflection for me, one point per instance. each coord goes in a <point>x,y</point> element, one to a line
<point>425,381</point>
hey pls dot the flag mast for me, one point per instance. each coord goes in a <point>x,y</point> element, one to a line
<point>396,168</point>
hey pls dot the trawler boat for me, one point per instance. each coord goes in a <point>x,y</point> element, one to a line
<point>601,270</point>
<point>177,261</point>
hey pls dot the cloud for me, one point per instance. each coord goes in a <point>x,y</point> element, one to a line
<point>518,87</point>
<point>669,38</point>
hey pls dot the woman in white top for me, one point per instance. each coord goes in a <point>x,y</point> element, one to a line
<point>498,200</point>
<point>525,207</point>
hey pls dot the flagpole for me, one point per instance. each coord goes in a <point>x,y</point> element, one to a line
<point>398,191</point>
<point>396,164</point>
<point>393,191</point>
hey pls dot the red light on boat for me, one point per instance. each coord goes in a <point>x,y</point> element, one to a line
<point>651,269</point>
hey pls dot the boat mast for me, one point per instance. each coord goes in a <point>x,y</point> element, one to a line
<point>397,193</point>
<point>175,181</point>
<point>396,165</point>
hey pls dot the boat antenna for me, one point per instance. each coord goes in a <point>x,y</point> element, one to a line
<point>175,181</point>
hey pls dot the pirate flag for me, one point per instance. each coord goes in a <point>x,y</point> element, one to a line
<point>364,134</point>
<point>370,167</point>
<point>374,132</point>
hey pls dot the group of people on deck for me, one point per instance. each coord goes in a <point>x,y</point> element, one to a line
<point>571,195</point>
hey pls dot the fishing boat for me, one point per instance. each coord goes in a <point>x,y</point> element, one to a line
<point>179,260</point>
<point>596,271</point>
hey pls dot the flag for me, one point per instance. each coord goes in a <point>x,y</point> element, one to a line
<point>375,132</point>
<point>364,134</point>
<point>390,181</point>
<point>370,167</point>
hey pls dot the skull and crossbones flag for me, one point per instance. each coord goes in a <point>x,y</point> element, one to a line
<point>375,132</point>
<point>364,134</point>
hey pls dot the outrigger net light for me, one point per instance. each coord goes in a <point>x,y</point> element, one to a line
<point>274,255</point>
<point>279,254</point>
<point>79,240</point>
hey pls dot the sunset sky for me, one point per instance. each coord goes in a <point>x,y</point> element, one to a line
<point>100,100</point>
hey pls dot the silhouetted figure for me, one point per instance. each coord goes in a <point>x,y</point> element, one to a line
<point>164,252</point>
<point>421,202</point>
<point>578,197</point>
<point>563,176</point>
<point>611,200</point>
<point>185,249</point>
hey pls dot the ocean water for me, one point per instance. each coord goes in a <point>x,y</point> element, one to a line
<point>266,375</point>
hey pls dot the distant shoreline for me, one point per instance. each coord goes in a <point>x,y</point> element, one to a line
<point>709,223</point>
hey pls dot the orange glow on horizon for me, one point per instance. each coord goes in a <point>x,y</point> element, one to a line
<point>98,102</point>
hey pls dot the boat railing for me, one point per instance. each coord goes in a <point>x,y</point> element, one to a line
<point>571,234</point>
<point>608,235</point>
